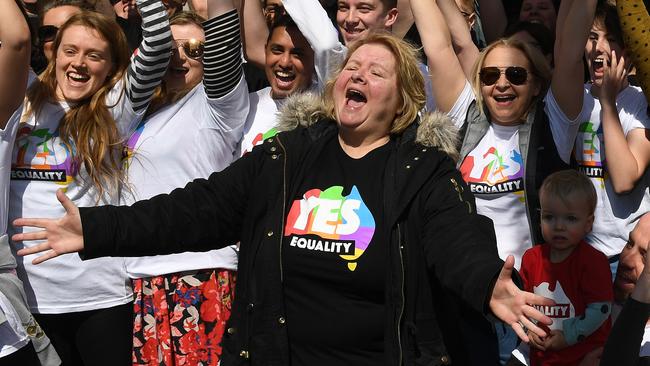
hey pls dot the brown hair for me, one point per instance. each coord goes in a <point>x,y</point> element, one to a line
<point>161,96</point>
<point>410,82</point>
<point>539,67</point>
<point>569,185</point>
<point>88,125</point>
<point>606,18</point>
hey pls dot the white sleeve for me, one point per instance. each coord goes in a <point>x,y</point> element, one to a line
<point>458,113</point>
<point>638,115</point>
<point>563,129</point>
<point>316,27</point>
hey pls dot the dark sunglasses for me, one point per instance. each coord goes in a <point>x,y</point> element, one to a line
<point>193,48</point>
<point>47,33</point>
<point>514,74</point>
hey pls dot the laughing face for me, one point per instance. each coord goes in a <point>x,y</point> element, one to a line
<point>539,11</point>
<point>356,18</point>
<point>366,100</point>
<point>289,62</point>
<point>508,103</point>
<point>83,63</point>
<point>184,72</point>
<point>598,51</point>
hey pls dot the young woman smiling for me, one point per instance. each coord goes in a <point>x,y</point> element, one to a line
<point>77,114</point>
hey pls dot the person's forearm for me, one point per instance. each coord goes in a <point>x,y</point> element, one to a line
<point>152,55</point>
<point>622,165</point>
<point>14,58</point>
<point>255,32</point>
<point>624,341</point>
<point>222,62</point>
<point>461,38</point>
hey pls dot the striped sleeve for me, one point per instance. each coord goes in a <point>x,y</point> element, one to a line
<point>149,62</point>
<point>222,61</point>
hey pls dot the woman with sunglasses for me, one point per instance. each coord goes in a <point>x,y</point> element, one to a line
<point>191,129</point>
<point>76,117</point>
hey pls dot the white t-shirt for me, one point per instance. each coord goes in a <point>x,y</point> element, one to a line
<point>494,172</point>
<point>41,164</point>
<point>616,214</point>
<point>261,120</point>
<point>189,139</point>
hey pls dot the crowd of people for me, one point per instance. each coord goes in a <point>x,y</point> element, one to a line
<point>304,182</point>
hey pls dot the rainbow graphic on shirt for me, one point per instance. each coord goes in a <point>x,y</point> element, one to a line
<point>37,157</point>
<point>129,147</point>
<point>327,221</point>
<point>494,172</point>
<point>259,139</point>
<point>589,151</point>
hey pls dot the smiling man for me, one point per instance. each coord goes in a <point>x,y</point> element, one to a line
<point>357,18</point>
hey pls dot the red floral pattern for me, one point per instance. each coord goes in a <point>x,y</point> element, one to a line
<point>180,318</point>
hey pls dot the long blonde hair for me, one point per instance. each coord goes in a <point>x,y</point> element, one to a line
<point>539,68</point>
<point>88,129</point>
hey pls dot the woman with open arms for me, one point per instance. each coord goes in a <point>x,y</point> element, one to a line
<point>321,242</point>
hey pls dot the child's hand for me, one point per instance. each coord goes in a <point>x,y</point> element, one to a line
<point>615,75</point>
<point>555,341</point>
<point>536,341</point>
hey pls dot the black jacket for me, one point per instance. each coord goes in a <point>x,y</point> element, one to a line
<point>438,244</point>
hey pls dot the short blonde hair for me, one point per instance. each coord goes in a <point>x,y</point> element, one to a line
<point>410,82</point>
<point>539,67</point>
<point>569,185</point>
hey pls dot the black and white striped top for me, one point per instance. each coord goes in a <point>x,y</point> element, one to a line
<point>222,61</point>
<point>149,62</point>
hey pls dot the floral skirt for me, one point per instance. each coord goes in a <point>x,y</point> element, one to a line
<point>180,317</point>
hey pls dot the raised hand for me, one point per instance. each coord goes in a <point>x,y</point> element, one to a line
<point>614,78</point>
<point>63,235</point>
<point>514,306</point>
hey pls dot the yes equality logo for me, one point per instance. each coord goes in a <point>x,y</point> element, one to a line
<point>327,221</point>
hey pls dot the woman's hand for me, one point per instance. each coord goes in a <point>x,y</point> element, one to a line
<point>514,306</point>
<point>614,78</point>
<point>64,235</point>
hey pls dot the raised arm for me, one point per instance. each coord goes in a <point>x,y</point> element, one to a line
<point>222,60</point>
<point>627,157</point>
<point>316,27</point>
<point>461,38</point>
<point>447,77</point>
<point>567,82</point>
<point>255,32</point>
<point>14,58</point>
<point>149,62</point>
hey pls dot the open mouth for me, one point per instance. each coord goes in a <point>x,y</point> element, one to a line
<point>284,78</point>
<point>355,98</point>
<point>598,64</point>
<point>76,77</point>
<point>506,98</point>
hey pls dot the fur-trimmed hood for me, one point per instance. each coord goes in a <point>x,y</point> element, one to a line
<point>434,130</point>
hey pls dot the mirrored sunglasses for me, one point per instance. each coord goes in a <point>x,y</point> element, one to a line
<point>47,33</point>
<point>515,75</point>
<point>193,48</point>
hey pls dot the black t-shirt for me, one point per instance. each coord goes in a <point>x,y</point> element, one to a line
<point>335,256</point>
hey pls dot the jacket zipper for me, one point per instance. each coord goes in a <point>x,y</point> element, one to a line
<point>401,309</point>
<point>284,200</point>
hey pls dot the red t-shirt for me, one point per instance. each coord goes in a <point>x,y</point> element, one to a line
<point>582,278</point>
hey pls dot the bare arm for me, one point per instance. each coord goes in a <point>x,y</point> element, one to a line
<point>630,155</point>
<point>14,58</point>
<point>447,77</point>
<point>567,82</point>
<point>461,38</point>
<point>493,18</point>
<point>255,32</point>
